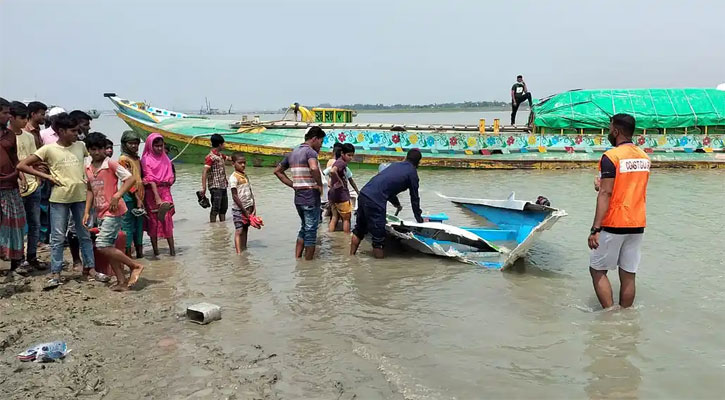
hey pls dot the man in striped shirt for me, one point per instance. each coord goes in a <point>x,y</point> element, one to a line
<point>307,182</point>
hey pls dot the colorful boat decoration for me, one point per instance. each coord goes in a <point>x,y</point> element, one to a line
<point>576,143</point>
<point>510,229</point>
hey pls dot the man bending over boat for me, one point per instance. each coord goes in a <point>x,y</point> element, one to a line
<point>381,189</point>
<point>620,218</point>
<point>519,94</point>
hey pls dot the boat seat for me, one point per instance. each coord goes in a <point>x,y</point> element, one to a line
<point>440,217</point>
<point>494,234</point>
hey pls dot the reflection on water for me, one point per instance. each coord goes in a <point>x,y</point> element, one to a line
<point>611,346</point>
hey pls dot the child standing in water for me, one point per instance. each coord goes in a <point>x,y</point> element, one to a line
<point>214,176</point>
<point>103,176</point>
<point>134,217</point>
<point>158,176</point>
<point>339,194</point>
<point>243,206</point>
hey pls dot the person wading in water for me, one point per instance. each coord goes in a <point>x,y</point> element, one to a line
<point>307,183</point>
<point>620,218</point>
<point>381,189</point>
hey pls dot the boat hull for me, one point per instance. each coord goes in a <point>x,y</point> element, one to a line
<point>461,150</point>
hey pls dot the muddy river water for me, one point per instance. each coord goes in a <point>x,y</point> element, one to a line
<point>418,327</point>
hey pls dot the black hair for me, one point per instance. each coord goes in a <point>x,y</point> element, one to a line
<point>237,155</point>
<point>414,156</point>
<point>18,109</point>
<point>348,148</point>
<point>519,76</point>
<point>35,106</point>
<point>109,143</point>
<point>4,103</point>
<point>314,133</point>
<point>337,150</point>
<point>625,123</point>
<point>64,121</point>
<point>96,140</point>
<point>216,140</point>
<point>80,116</point>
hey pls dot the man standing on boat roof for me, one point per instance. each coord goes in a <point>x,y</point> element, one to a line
<point>307,183</point>
<point>620,218</point>
<point>381,189</point>
<point>519,94</point>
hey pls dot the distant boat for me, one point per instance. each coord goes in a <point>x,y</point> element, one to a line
<point>141,111</point>
<point>509,232</point>
<point>213,111</point>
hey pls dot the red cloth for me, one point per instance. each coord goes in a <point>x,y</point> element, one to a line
<point>102,264</point>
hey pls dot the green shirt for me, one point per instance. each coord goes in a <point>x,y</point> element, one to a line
<point>67,166</point>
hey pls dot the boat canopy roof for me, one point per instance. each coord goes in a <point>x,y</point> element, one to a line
<point>651,108</point>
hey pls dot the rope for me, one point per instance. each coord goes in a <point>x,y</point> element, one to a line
<point>713,105</point>
<point>631,104</point>
<point>654,107</point>
<point>691,108</point>
<point>245,130</point>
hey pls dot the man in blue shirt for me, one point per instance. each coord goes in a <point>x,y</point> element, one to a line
<point>381,189</point>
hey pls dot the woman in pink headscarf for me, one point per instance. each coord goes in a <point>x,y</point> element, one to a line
<point>158,176</point>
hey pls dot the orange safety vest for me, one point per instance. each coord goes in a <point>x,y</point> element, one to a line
<point>627,206</point>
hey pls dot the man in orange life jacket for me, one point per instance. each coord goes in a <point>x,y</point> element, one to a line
<point>620,218</point>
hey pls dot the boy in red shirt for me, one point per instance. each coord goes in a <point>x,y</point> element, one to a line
<point>103,176</point>
<point>215,176</point>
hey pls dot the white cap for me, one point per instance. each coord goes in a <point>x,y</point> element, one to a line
<point>55,111</point>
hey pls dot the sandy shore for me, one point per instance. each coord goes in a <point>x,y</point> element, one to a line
<point>127,345</point>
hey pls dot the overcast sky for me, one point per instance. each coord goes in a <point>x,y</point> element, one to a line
<point>268,54</point>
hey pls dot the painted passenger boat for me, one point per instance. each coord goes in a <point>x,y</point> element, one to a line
<point>677,127</point>
<point>509,230</point>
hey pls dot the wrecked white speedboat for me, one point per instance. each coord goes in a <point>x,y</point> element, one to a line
<point>510,228</point>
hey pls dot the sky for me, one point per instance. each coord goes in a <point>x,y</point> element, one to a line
<point>261,55</point>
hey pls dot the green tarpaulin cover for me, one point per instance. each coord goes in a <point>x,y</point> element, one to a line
<point>651,108</point>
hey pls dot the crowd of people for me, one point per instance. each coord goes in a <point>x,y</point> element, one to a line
<point>309,182</point>
<point>318,192</point>
<point>59,187</point>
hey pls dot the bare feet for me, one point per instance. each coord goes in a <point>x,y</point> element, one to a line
<point>135,273</point>
<point>119,288</point>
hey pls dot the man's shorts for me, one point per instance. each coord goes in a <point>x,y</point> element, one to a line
<point>219,201</point>
<point>617,250</point>
<point>108,228</point>
<point>345,209</point>
<point>371,219</point>
<point>240,221</point>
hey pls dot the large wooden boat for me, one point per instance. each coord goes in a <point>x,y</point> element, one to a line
<point>679,128</point>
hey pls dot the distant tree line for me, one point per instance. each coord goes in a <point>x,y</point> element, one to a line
<point>434,106</point>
